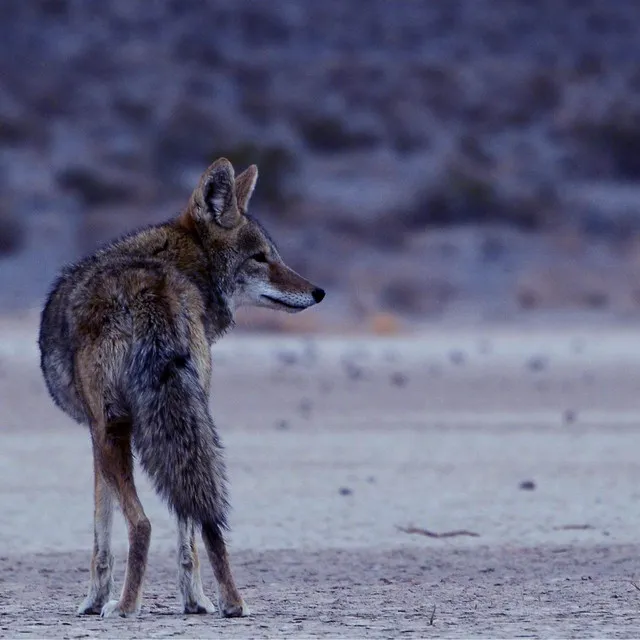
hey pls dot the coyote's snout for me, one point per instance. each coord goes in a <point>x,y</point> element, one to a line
<point>124,344</point>
<point>265,281</point>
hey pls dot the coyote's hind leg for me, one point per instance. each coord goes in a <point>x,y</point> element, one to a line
<point>191,592</point>
<point>116,464</point>
<point>230,602</point>
<point>102,561</point>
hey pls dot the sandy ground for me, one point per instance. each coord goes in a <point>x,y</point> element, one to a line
<point>334,443</point>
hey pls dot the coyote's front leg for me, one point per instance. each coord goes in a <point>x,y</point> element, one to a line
<point>191,592</point>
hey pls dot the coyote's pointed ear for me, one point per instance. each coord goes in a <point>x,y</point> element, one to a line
<point>245,184</point>
<point>214,198</point>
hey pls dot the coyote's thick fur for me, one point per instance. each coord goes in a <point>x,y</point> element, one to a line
<point>124,344</point>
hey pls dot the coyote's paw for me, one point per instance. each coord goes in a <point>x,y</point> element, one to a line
<point>200,605</point>
<point>233,609</point>
<point>113,609</point>
<point>99,589</point>
<point>90,607</point>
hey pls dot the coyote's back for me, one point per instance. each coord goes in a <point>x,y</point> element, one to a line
<point>137,355</point>
<point>124,340</point>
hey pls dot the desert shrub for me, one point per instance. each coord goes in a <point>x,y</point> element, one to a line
<point>415,297</point>
<point>191,49</point>
<point>185,139</point>
<point>93,188</point>
<point>12,233</point>
<point>472,188</point>
<point>261,27</point>
<point>14,132</point>
<point>611,145</point>
<point>463,197</point>
<point>333,134</point>
<point>599,125</point>
<point>542,93</point>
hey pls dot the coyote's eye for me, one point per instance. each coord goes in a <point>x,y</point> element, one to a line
<point>260,257</point>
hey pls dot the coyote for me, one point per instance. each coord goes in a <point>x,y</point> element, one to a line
<point>124,343</point>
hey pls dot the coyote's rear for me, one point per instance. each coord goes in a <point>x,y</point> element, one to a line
<point>124,344</point>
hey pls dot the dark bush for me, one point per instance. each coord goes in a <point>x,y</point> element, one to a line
<point>416,297</point>
<point>93,188</point>
<point>12,234</point>
<point>330,134</point>
<point>608,149</point>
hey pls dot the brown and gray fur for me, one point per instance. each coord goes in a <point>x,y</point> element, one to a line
<point>125,349</point>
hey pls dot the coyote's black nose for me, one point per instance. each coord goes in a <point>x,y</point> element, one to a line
<point>318,294</point>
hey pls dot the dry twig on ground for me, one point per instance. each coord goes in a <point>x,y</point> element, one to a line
<point>433,534</point>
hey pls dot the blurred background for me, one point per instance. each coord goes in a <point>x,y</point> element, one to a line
<point>462,173</point>
<point>421,160</point>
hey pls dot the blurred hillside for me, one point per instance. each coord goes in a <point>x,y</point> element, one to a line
<point>421,159</point>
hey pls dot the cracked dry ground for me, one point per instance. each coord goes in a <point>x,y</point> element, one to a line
<point>332,445</point>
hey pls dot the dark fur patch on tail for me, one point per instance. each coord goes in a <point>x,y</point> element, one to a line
<point>174,367</point>
<point>173,433</point>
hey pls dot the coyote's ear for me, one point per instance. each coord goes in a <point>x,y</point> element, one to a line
<point>214,198</point>
<point>245,184</point>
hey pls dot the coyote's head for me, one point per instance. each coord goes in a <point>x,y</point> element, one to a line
<point>245,262</point>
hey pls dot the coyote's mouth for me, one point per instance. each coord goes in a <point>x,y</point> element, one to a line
<point>285,304</point>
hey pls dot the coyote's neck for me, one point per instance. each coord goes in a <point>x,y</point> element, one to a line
<point>219,316</point>
<point>208,275</point>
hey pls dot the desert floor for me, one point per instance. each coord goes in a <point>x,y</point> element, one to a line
<point>528,438</point>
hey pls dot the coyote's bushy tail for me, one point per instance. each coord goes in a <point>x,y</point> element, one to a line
<point>173,433</point>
